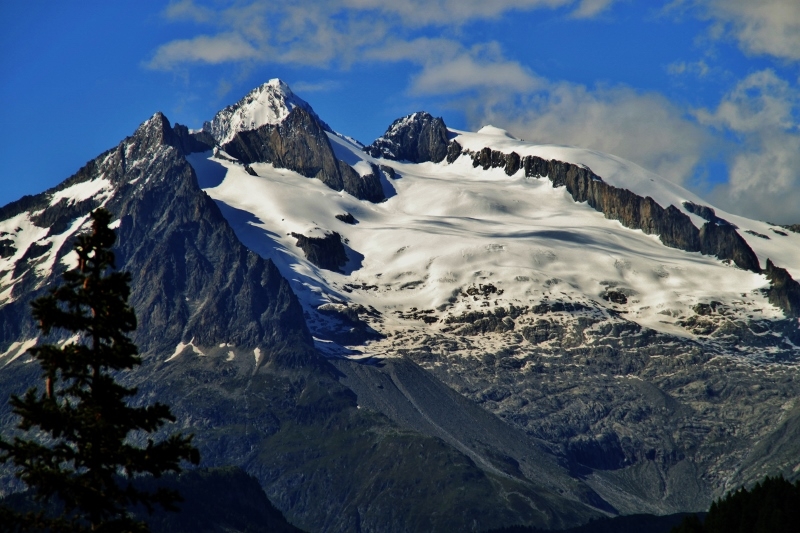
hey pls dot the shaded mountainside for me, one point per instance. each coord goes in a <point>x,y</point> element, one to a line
<point>217,501</point>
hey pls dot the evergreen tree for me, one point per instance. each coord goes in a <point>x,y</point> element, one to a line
<point>771,506</point>
<point>84,460</point>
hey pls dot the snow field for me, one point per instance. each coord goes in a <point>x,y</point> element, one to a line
<point>452,227</point>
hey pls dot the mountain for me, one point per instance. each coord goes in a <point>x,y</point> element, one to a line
<point>443,330</point>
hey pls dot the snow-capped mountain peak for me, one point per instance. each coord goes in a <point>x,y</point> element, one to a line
<point>269,103</point>
<point>496,132</point>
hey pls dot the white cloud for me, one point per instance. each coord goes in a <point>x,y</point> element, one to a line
<point>770,27</point>
<point>592,8</point>
<point>203,49</point>
<point>450,68</point>
<point>454,12</point>
<point>764,177</point>
<point>759,102</point>
<point>339,32</point>
<point>466,72</point>
<point>764,182</point>
<point>315,86</point>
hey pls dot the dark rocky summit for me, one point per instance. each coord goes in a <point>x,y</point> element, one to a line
<point>417,138</point>
<point>326,252</point>
<point>453,151</point>
<point>299,143</point>
<point>189,143</point>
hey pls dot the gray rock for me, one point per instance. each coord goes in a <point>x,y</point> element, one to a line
<point>724,242</point>
<point>299,143</point>
<point>417,138</point>
<point>453,151</point>
<point>784,292</point>
<point>326,252</point>
<point>706,213</point>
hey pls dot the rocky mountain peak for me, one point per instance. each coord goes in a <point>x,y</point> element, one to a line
<point>269,103</point>
<point>417,138</point>
<point>154,131</point>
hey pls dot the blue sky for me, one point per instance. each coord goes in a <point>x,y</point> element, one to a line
<point>703,92</point>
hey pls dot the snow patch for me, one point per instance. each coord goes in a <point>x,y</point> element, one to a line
<point>99,187</point>
<point>182,346</point>
<point>18,348</point>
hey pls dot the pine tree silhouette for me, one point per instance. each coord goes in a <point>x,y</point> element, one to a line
<point>78,452</point>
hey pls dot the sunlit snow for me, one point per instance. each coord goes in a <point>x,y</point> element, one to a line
<point>452,226</point>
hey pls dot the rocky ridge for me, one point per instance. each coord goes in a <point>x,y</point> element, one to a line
<point>417,138</point>
<point>673,227</point>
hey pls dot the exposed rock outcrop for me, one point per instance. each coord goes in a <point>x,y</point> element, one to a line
<point>299,143</point>
<point>794,228</point>
<point>706,213</point>
<point>326,252</point>
<point>417,138</point>
<point>784,291</point>
<point>188,142</point>
<point>347,218</point>
<point>453,151</point>
<point>725,242</point>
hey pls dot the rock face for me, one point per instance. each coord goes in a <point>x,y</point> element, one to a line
<point>723,241</point>
<point>299,143</point>
<point>785,291</point>
<point>453,151</point>
<point>706,213</point>
<point>189,143</point>
<point>218,500</point>
<point>326,252</point>
<point>347,218</point>
<point>417,138</point>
